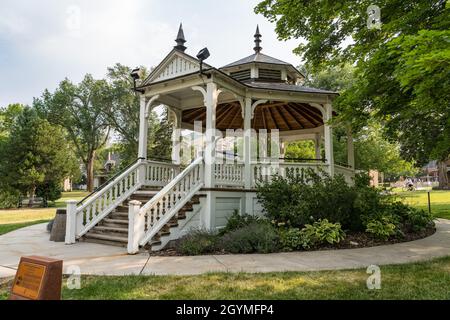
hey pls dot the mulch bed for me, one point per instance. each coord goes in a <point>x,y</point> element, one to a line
<point>364,240</point>
<point>351,241</point>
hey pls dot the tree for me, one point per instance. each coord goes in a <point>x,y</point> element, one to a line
<point>36,153</point>
<point>123,117</point>
<point>402,67</point>
<point>8,116</point>
<point>80,109</point>
<point>300,150</point>
<point>162,147</point>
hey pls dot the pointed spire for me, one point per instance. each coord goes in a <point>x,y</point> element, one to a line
<point>180,40</point>
<point>257,47</point>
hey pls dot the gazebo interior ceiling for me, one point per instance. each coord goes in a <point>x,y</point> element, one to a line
<point>284,116</point>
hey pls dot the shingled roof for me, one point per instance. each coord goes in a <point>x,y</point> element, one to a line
<point>256,57</point>
<point>286,87</point>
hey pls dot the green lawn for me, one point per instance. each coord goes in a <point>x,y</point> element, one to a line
<point>426,280</point>
<point>440,201</point>
<point>13,219</point>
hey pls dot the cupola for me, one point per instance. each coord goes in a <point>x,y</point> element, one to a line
<point>259,67</point>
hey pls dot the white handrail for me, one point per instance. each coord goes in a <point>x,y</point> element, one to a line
<point>166,203</point>
<point>97,207</point>
<point>109,186</point>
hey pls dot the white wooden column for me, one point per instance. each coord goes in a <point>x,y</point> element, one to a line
<point>317,140</point>
<point>143,129</point>
<point>247,143</point>
<point>210,147</point>
<point>176,136</point>
<point>350,149</point>
<point>144,110</point>
<point>248,177</point>
<point>282,149</point>
<point>328,135</point>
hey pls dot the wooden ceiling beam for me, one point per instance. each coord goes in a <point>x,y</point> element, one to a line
<point>305,115</point>
<point>238,112</point>
<point>299,115</point>
<point>293,117</point>
<point>283,118</point>
<point>272,118</point>
<point>193,114</point>
<point>317,117</point>
<point>223,113</point>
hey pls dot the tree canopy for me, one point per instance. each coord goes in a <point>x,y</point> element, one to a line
<point>35,154</point>
<point>80,109</point>
<point>402,65</point>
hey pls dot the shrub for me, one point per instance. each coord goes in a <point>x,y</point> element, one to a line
<point>197,241</point>
<point>322,232</point>
<point>49,191</point>
<point>255,237</point>
<point>303,198</point>
<point>9,198</point>
<point>291,239</point>
<point>236,221</point>
<point>419,220</point>
<point>382,227</point>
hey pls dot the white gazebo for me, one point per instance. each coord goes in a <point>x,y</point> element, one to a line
<point>248,107</point>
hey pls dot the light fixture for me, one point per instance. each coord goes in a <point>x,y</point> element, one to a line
<point>202,56</point>
<point>135,75</point>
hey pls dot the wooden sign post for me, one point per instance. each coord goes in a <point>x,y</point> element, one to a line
<point>37,278</point>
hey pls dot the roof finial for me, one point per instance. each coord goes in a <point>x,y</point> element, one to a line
<point>257,47</point>
<point>180,40</point>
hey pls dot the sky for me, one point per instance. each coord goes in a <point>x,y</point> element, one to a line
<point>42,42</point>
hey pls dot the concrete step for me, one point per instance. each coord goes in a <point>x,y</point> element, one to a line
<point>106,239</point>
<point>110,221</point>
<point>111,230</point>
<point>122,208</point>
<point>119,216</point>
<point>146,193</point>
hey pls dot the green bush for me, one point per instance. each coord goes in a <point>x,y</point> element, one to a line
<point>255,237</point>
<point>306,197</point>
<point>322,232</point>
<point>198,241</point>
<point>303,198</point>
<point>419,220</point>
<point>291,239</point>
<point>236,221</point>
<point>9,198</point>
<point>49,191</point>
<point>382,227</point>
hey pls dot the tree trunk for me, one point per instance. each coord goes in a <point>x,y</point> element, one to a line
<point>442,174</point>
<point>90,172</point>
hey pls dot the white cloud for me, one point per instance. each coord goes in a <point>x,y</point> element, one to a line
<point>41,42</point>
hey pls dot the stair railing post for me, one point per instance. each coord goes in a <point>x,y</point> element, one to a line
<point>142,171</point>
<point>71,221</point>
<point>136,226</point>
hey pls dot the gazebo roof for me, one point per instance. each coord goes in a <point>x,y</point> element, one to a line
<point>288,105</point>
<point>256,57</point>
<point>286,87</point>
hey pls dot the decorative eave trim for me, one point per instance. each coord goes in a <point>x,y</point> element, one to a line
<point>164,62</point>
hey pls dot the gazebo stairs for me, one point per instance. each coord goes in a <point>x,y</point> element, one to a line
<point>113,230</point>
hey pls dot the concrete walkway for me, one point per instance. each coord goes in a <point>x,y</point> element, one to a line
<point>106,260</point>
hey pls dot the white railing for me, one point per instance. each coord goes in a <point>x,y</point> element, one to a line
<point>229,175</point>
<point>263,172</point>
<point>159,173</point>
<point>348,173</point>
<point>166,203</point>
<point>85,216</point>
